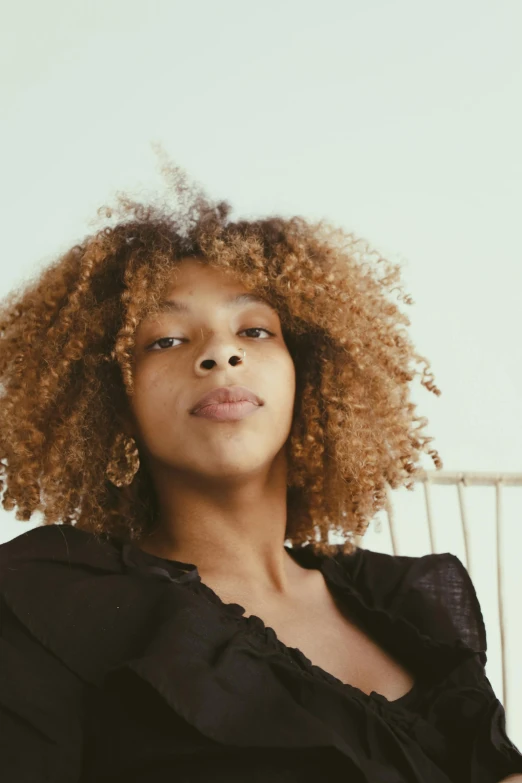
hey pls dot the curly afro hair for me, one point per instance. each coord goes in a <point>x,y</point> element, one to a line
<point>66,346</point>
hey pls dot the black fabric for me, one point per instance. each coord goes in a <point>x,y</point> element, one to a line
<point>117,665</point>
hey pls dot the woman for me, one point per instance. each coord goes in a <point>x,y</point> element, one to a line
<point>193,407</point>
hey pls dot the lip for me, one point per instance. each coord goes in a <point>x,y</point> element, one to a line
<point>227,394</point>
<point>228,411</point>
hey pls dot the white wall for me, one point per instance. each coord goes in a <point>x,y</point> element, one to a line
<point>398,120</point>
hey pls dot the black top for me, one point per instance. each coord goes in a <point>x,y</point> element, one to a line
<point>117,665</point>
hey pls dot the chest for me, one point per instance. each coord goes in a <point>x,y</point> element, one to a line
<point>325,633</point>
<point>338,645</point>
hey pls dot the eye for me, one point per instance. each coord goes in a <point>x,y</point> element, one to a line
<point>251,329</point>
<point>258,329</point>
<point>162,340</point>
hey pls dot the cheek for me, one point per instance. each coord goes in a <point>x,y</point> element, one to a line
<point>154,398</point>
<point>290,371</point>
<point>287,386</point>
<point>155,380</point>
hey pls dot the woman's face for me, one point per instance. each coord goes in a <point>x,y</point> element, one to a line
<point>180,355</point>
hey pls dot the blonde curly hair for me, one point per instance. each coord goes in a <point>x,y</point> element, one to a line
<point>66,345</point>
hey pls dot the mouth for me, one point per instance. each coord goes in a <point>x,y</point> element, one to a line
<point>228,411</point>
<point>227,394</point>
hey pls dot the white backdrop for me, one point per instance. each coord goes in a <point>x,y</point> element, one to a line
<point>398,120</point>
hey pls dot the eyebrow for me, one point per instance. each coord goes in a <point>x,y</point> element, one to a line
<point>173,306</point>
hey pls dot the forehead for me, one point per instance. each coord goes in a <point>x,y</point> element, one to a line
<point>170,305</point>
<point>191,276</point>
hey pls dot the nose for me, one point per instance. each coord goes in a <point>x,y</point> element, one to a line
<point>222,356</point>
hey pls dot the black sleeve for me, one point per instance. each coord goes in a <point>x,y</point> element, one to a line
<point>472,714</point>
<point>41,710</point>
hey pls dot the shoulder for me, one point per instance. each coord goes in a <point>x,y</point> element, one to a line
<point>72,592</point>
<point>434,592</point>
<point>54,544</point>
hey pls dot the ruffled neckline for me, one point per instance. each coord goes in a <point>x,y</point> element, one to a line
<point>338,576</point>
